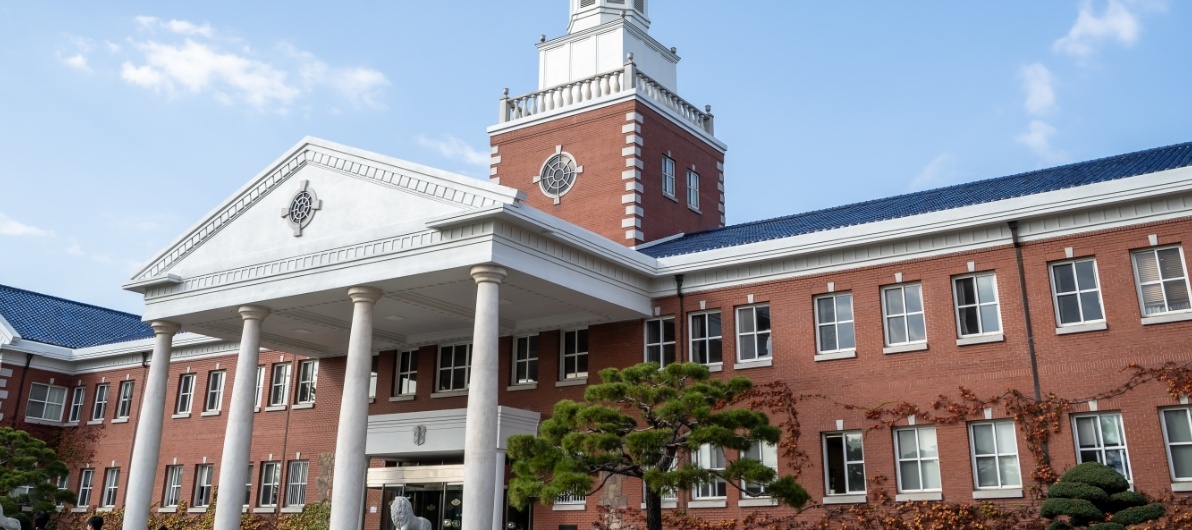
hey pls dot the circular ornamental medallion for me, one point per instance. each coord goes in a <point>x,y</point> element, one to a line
<point>558,175</point>
<point>302,208</point>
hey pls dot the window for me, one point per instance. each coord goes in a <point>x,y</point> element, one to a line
<point>45,402</point>
<point>63,481</point>
<point>186,392</point>
<point>765,453</point>
<point>1077,295</point>
<point>572,498</point>
<point>902,310</point>
<point>270,483</point>
<point>1101,438</point>
<point>705,339</point>
<point>111,486</point>
<point>308,376</point>
<point>660,341</point>
<point>692,189</point>
<point>454,364</point>
<point>753,333</point>
<point>296,483</point>
<point>124,403</point>
<point>575,354</point>
<point>214,401</point>
<point>995,455</point>
<point>100,409</point>
<point>918,459</point>
<point>668,176</point>
<point>76,404</point>
<point>1177,432</point>
<point>256,396</point>
<point>525,360</point>
<point>834,323</point>
<point>173,492</point>
<point>279,391</point>
<point>711,458</point>
<point>977,310</point>
<point>203,475</point>
<point>1162,280</point>
<point>86,476</point>
<point>844,463</point>
<point>405,373</point>
<point>372,377</point>
<point>248,486</point>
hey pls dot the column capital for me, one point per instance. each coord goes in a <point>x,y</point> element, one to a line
<point>164,327</point>
<point>361,293</point>
<point>253,312</point>
<point>489,273</point>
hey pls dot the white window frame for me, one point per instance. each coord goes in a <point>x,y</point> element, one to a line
<point>668,176</point>
<point>708,340</point>
<point>99,409</point>
<point>47,403</point>
<point>456,386</point>
<point>979,305</point>
<point>1168,444</point>
<point>124,399</point>
<point>259,387</point>
<point>844,437</point>
<point>998,455</point>
<point>248,486</point>
<point>296,477</point>
<point>837,324</point>
<point>903,320</point>
<point>767,454</point>
<point>706,458</point>
<point>308,381</point>
<point>525,360</point>
<point>1079,293</point>
<point>270,491</point>
<point>757,337</point>
<point>571,499</point>
<point>1097,445</point>
<point>918,459</point>
<point>657,350</point>
<point>405,373</point>
<point>186,394</point>
<point>693,189</point>
<point>111,486</point>
<point>213,397</point>
<point>279,386</point>
<point>173,492</point>
<point>86,487</point>
<point>204,475</point>
<point>78,394</point>
<point>1162,282</point>
<point>571,351</point>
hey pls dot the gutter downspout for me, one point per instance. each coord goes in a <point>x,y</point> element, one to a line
<point>1030,331</point>
<point>680,351</point>
<point>16,412</point>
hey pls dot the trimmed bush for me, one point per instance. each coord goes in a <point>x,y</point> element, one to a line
<point>1107,526</point>
<point>1059,525</point>
<point>1126,499</point>
<point>1138,514</point>
<point>1079,490</point>
<point>1079,511</point>
<point>1099,475</point>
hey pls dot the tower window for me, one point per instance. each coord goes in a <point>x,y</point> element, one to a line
<point>692,189</point>
<point>668,176</point>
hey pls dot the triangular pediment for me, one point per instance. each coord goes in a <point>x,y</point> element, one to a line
<point>351,196</point>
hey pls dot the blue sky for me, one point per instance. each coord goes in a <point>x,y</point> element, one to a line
<point>123,123</point>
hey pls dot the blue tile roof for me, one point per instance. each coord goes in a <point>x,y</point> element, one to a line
<point>51,320</point>
<point>983,191</point>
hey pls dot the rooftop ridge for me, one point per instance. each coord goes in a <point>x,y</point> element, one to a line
<point>69,301</point>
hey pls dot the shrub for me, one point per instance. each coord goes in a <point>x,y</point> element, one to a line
<point>1107,526</point>
<point>1126,499</point>
<point>1079,511</point>
<point>1079,490</point>
<point>1138,514</point>
<point>1059,525</point>
<point>1099,475</point>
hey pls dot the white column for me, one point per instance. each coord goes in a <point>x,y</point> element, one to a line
<point>142,471</point>
<point>351,464</point>
<point>499,491</point>
<point>480,428</point>
<point>233,467</point>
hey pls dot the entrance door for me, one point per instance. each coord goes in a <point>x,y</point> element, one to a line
<point>441,504</point>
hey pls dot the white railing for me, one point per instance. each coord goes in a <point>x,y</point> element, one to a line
<point>598,86</point>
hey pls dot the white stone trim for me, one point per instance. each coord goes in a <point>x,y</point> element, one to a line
<point>1081,328</point>
<point>845,499</point>
<point>1179,316</point>
<point>1011,493</point>
<point>980,339</point>
<point>903,348</point>
<point>919,496</point>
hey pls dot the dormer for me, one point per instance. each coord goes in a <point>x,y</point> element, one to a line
<point>587,14</point>
<point>600,36</point>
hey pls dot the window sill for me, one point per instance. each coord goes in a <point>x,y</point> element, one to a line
<point>903,348</point>
<point>707,503</point>
<point>670,196</point>
<point>71,424</point>
<point>275,408</point>
<point>80,509</point>
<point>572,382</point>
<point>522,386</point>
<point>95,422</point>
<point>1181,487</point>
<point>256,410</point>
<point>859,498</point>
<point>1167,317</point>
<point>209,413</point>
<point>694,209</point>
<point>448,394</point>
<point>200,509</point>
<point>300,406</point>
<point>757,501</point>
<point>832,356</point>
<point>168,509</point>
<point>666,505</point>
<point>264,509</point>
<point>997,494</point>
<point>756,363</point>
<point>569,507</point>
<point>104,509</point>
<point>404,397</point>
<point>919,496</point>
<point>980,339</point>
<point>292,509</point>
<point>715,367</point>
<point>39,421</point>
<point>180,416</point>
<point>120,420</point>
<point>1081,328</point>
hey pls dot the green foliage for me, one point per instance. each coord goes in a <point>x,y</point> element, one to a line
<point>1059,525</point>
<point>28,461</point>
<point>1107,526</point>
<point>1079,511</point>
<point>1079,490</point>
<point>1126,499</point>
<point>1139,514</point>
<point>1099,475</point>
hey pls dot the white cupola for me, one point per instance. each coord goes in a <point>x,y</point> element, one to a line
<point>591,13</point>
<point>601,34</point>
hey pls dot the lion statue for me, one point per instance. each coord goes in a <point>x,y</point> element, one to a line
<point>403,516</point>
<point>8,523</point>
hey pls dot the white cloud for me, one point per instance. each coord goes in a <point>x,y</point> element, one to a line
<point>454,148</point>
<point>12,227</point>
<point>1115,23</point>
<point>941,171</point>
<point>1037,138</point>
<point>1040,95</point>
<point>78,62</point>
<point>199,68</point>
<point>360,86</point>
<point>183,27</point>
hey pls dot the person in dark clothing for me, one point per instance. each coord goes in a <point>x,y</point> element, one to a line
<point>41,520</point>
<point>95,523</point>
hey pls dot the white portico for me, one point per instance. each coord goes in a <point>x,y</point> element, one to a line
<point>333,250</point>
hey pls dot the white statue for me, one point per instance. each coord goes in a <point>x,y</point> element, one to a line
<point>8,523</point>
<point>403,516</point>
